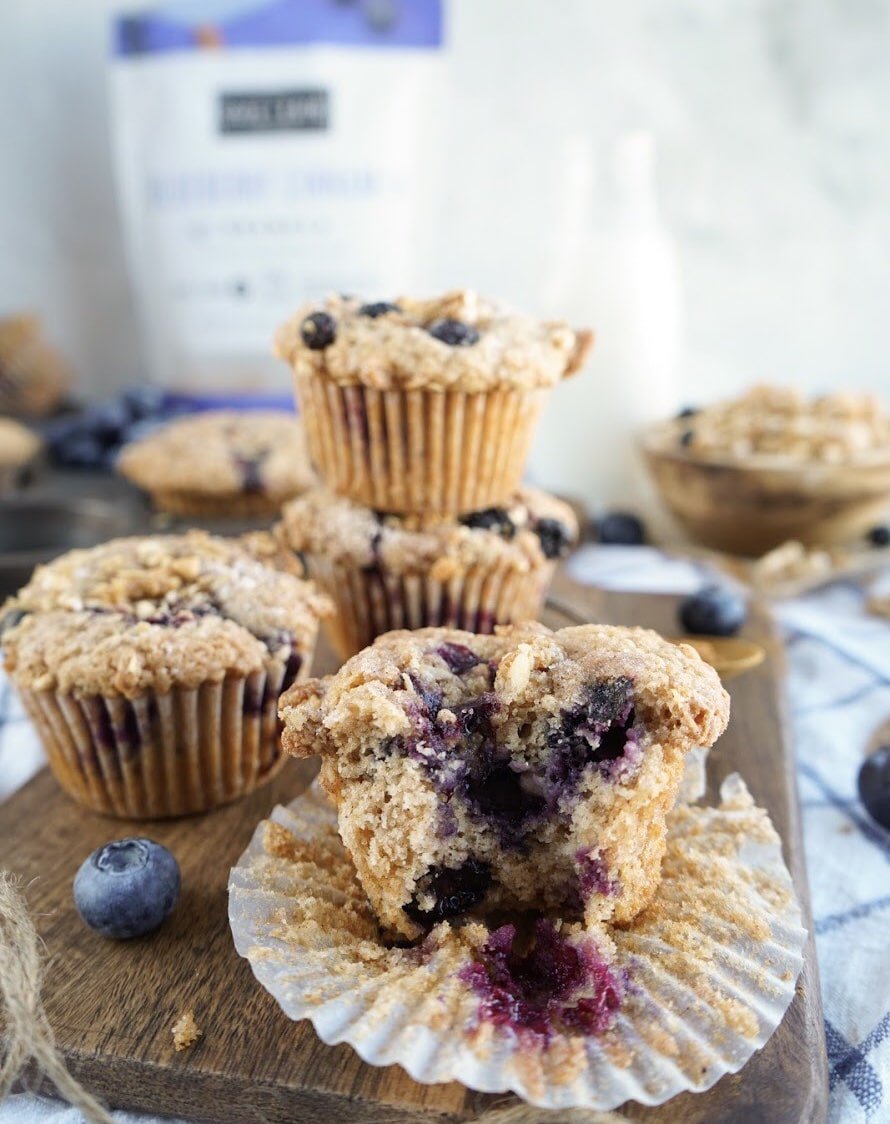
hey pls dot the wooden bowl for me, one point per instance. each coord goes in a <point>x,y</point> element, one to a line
<point>750,508</point>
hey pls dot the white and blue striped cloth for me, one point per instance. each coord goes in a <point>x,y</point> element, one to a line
<point>839,693</point>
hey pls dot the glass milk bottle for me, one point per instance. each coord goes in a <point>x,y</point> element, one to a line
<point>616,272</point>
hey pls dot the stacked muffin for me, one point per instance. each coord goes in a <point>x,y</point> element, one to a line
<point>419,416</point>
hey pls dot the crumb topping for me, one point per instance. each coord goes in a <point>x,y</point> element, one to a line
<point>526,532</point>
<point>223,452</point>
<point>780,423</point>
<point>186,1031</point>
<point>153,613</point>
<point>455,341</point>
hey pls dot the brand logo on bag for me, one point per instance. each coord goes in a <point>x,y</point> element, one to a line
<point>276,111</point>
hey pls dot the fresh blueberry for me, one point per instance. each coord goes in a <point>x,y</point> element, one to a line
<point>453,332</point>
<point>127,888</point>
<point>687,412</point>
<point>81,450</point>
<point>491,519</point>
<point>621,528</point>
<point>715,610</point>
<point>874,785</point>
<point>554,536</point>
<point>880,535</point>
<point>143,401</point>
<point>687,437</point>
<point>378,308</point>
<point>107,420</point>
<point>143,427</point>
<point>319,331</point>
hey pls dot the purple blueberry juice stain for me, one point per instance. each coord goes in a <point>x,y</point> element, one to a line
<point>556,985</point>
<point>594,877</point>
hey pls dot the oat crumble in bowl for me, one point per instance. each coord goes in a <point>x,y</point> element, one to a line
<point>386,572</point>
<point>528,769</point>
<point>224,463</point>
<point>424,405</point>
<point>151,668</point>
<point>771,466</point>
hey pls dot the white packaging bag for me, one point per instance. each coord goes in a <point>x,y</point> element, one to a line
<point>268,151</point>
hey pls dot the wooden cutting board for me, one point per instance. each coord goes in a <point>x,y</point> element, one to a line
<point>113,1004</point>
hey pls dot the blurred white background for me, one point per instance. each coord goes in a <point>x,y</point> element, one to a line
<point>772,121</point>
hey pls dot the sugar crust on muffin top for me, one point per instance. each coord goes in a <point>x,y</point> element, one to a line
<point>138,614</point>
<point>396,348</point>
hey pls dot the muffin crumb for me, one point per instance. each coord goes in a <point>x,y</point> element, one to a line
<point>186,1031</point>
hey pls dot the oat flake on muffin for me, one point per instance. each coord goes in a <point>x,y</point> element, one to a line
<point>529,769</point>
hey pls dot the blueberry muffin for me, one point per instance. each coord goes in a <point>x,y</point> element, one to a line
<point>528,769</point>
<point>222,463</point>
<point>19,448</point>
<point>388,571</point>
<point>34,378</point>
<point>152,667</point>
<point>424,405</point>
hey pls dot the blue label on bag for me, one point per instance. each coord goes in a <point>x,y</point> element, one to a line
<point>218,24</point>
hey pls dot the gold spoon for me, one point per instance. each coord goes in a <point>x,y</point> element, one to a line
<point>728,655</point>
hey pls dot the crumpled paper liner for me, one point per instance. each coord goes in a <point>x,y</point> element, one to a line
<point>710,965</point>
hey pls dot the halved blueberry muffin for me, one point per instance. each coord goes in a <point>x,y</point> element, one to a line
<point>528,769</point>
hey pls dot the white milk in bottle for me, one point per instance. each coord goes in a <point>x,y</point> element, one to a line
<point>616,272</point>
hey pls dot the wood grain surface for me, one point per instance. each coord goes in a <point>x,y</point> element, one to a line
<point>113,1004</point>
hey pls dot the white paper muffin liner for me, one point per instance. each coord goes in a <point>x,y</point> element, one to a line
<point>163,755</point>
<point>709,968</point>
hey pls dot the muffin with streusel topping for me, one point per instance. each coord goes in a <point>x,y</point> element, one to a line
<point>221,463</point>
<point>525,770</point>
<point>152,667</point>
<point>424,405</point>
<point>34,378</point>
<point>384,572</point>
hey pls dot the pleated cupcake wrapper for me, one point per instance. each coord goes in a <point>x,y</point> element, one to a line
<point>696,1006</point>
<point>163,755</point>
<point>419,450</point>
<point>372,601</point>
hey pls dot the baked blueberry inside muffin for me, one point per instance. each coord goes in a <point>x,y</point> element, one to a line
<point>529,769</point>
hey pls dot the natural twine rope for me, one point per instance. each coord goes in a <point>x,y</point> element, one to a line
<point>26,1031</point>
<point>27,1034</point>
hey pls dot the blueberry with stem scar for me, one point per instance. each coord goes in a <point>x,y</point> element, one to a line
<point>127,888</point>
